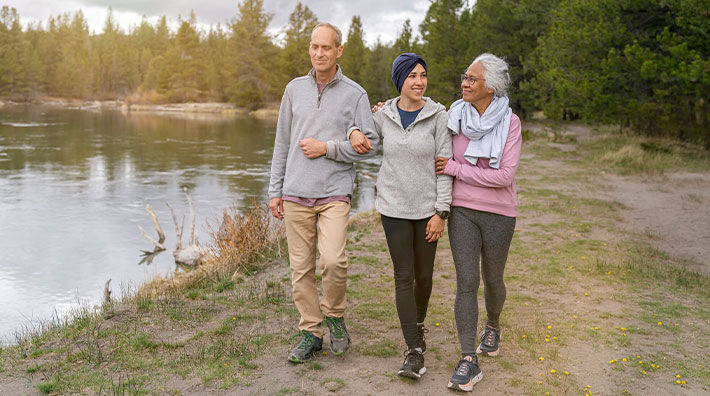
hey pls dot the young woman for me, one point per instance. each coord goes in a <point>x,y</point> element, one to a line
<point>486,150</point>
<point>412,199</point>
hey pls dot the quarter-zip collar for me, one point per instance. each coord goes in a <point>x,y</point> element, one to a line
<point>430,109</point>
<point>338,76</point>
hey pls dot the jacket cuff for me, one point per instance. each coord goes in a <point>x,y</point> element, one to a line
<point>330,149</point>
<point>350,131</point>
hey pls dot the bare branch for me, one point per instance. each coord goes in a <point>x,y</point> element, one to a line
<point>158,229</point>
<point>192,218</point>
<point>158,245</point>
<point>178,229</point>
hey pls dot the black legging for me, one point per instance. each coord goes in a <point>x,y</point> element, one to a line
<point>413,262</point>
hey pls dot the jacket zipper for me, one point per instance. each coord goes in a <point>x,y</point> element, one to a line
<point>320,94</point>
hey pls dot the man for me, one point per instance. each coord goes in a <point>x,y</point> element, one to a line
<point>312,182</point>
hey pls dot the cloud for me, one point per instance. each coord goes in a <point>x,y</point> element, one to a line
<point>380,19</point>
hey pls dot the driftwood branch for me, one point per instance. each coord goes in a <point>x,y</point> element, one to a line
<point>161,235</point>
<point>192,240</point>
<point>158,245</point>
<point>158,229</point>
<point>191,254</point>
<point>178,229</point>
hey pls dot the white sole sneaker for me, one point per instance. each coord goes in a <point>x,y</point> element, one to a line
<point>467,387</point>
<point>412,374</point>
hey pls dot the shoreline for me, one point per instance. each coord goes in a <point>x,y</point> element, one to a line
<point>269,112</point>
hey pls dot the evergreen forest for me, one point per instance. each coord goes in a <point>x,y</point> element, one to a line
<point>639,64</point>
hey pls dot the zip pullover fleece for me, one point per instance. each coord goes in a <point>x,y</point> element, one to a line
<point>330,116</point>
<point>407,184</point>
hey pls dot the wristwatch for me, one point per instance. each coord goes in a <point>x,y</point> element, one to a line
<point>444,214</point>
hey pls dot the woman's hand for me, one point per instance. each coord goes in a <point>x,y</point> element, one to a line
<point>441,165</point>
<point>434,228</point>
<point>361,144</point>
<point>377,107</point>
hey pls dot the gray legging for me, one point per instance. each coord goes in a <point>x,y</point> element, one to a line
<point>474,236</point>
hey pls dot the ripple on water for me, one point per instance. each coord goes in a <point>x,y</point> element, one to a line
<point>31,124</point>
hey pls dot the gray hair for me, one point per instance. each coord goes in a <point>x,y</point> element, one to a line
<point>338,33</point>
<point>495,72</point>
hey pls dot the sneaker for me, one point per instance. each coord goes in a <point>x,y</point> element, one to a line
<point>305,349</point>
<point>421,331</point>
<point>413,366</point>
<point>339,337</point>
<point>467,375</point>
<point>489,342</point>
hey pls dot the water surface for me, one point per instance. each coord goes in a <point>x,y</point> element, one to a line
<point>74,185</point>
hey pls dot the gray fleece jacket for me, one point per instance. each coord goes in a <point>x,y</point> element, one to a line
<point>407,184</point>
<point>329,117</point>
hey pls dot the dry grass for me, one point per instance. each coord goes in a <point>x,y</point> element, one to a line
<point>239,242</point>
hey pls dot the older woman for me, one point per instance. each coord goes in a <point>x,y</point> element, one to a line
<point>486,148</point>
<point>412,200</point>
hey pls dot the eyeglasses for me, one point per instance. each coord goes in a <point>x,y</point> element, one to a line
<point>471,80</point>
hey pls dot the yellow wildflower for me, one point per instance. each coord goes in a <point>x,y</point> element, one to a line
<point>552,371</point>
<point>542,359</point>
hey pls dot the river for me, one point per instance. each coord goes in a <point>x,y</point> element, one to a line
<point>73,189</point>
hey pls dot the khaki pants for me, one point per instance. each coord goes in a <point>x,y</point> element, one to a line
<point>329,223</point>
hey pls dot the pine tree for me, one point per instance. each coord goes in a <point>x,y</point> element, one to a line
<point>251,55</point>
<point>446,48</point>
<point>378,71</point>
<point>187,81</point>
<point>295,60</point>
<point>406,42</point>
<point>355,53</point>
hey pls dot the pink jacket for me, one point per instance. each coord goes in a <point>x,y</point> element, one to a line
<point>481,187</point>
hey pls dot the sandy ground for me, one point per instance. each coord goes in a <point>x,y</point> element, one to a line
<point>673,211</point>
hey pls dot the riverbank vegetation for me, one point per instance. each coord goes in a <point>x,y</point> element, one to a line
<point>640,64</point>
<point>592,308</point>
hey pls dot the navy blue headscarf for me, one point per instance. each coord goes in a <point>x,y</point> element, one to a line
<point>402,66</point>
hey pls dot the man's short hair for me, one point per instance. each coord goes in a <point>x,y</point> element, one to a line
<point>338,34</point>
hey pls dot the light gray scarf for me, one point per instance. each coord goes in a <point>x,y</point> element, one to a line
<point>487,132</point>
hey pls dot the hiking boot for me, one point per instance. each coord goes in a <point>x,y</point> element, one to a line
<point>421,331</point>
<point>305,349</point>
<point>339,337</point>
<point>489,342</point>
<point>467,374</point>
<point>413,366</point>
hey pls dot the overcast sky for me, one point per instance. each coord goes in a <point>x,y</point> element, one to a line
<point>379,18</point>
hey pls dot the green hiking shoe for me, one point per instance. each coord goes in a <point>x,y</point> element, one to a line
<point>339,337</point>
<point>305,349</point>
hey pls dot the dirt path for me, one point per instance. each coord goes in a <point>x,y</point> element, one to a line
<point>592,308</point>
<point>673,211</point>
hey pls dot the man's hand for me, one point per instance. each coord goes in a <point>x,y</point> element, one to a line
<point>377,107</point>
<point>312,148</point>
<point>277,208</point>
<point>441,165</point>
<point>434,228</point>
<point>361,144</point>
